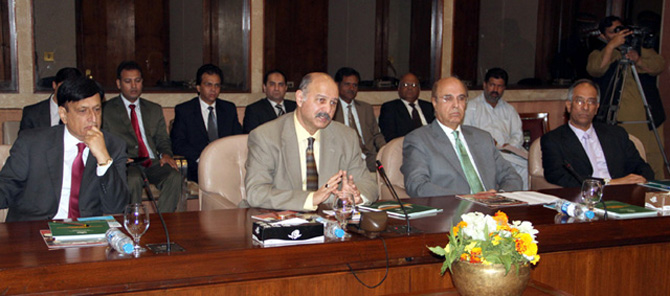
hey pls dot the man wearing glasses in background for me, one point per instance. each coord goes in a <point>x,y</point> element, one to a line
<point>399,117</point>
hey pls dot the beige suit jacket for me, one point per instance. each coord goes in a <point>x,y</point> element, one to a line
<point>374,140</point>
<point>273,178</point>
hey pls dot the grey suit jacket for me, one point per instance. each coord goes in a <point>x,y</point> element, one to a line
<point>374,140</point>
<point>273,178</point>
<point>36,115</point>
<point>431,167</point>
<point>32,178</point>
<point>115,120</point>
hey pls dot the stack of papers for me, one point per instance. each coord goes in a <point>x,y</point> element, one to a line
<point>509,199</point>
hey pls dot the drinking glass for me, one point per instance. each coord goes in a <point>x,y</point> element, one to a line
<point>136,222</point>
<point>592,192</point>
<point>343,206</point>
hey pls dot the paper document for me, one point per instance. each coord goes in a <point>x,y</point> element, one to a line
<point>531,197</point>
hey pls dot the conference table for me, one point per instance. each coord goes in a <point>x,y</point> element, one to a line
<point>613,257</point>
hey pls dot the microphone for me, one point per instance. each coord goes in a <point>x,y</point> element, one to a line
<point>572,171</point>
<point>387,182</point>
<point>156,248</point>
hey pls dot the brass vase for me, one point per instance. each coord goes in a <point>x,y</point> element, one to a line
<point>481,280</point>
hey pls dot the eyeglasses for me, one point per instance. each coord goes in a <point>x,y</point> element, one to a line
<point>581,102</point>
<point>412,85</point>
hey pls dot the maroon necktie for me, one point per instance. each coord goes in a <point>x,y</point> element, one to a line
<point>142,151</point>
<point>77,173</point>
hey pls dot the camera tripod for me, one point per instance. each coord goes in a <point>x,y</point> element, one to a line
<point>618,82</point>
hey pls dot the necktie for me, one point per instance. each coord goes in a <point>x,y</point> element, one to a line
<point>468,167</point>
<point>212,130</point>
<point>598,162</point>
<point>312,174</point>
<point>280,110</point>
<point>77,173</point>
<point>415,116</point>
<point>141,148</point>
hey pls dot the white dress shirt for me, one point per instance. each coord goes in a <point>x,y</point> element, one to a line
<point>345,109</point>
<point>205,111</point>
<point>591,144</point>
<point>53,111</point>
<point>139,121</point>
<point>502,122</point>
<point>417,107</point>
<point>274,106</point>
<point>448,131</point>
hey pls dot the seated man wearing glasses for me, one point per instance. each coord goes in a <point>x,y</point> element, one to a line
<point>585,149</point>
<point>399,117</point>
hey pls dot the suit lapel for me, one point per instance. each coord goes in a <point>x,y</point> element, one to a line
<point>290,152</point>
<point>444,145</point>
<point>573,149</point>
<point>195,113</point>
<point>55,162</point>
<point>328,165</point>
<point>268,109</point>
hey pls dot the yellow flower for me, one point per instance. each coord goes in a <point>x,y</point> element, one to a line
<point>524,244</point>
<point>535,259</point>
<point>496,240</point>
<point>470,246</point>
<point>458,227</point>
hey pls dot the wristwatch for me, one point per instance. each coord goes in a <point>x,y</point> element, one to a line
<point>108,162</point>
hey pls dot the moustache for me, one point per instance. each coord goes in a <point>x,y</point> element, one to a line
<point>325,115</point>
<point>495,93</point>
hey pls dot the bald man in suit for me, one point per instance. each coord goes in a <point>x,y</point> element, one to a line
<point>278,176</point>
<point>445,158</point>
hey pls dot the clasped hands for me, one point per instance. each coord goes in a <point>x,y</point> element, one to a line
<point>330,187</point>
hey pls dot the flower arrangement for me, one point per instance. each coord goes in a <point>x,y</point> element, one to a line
<point>486,239</point>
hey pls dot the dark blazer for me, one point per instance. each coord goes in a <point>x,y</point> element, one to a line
<point>31,180</point>
<point>261,112</point>
<point>395,121</point>
<point>431,167</point>
<point>374,140</point>
<point>115,119</point>
<point>36,115</point>
<point>562,145</point>
<point>189,131</point>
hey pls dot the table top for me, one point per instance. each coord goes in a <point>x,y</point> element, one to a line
<point>219,246</point>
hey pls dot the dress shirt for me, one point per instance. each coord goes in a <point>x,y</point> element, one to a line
<point>138,112</point>
<point>447,130</point>
<point>205,111</point>
<point>274,106</point>
<point>417,107</point>
<point>502,122</point>
<point>53,111</point>
<point>302,135</point>
<point>70,151</point>
<point>593,150</point>
<point>345,109</point>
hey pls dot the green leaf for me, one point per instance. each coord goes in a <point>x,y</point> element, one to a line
<point>438,250</point>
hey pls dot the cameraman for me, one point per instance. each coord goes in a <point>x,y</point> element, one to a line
<point>602,65</point>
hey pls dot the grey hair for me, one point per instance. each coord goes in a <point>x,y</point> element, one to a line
<point>433,93</point>
<point>571,90</point>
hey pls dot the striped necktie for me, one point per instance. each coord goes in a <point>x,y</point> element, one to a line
<point>468,167</point>
<point>312,174</point>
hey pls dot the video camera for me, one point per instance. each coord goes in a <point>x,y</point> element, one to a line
<point>640,37</point>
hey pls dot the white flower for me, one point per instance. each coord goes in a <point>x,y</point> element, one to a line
<point>476,224</point>
<point>525,227</point>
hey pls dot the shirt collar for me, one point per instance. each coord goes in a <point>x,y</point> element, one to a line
<point>447,130</point>
<point>69,140</point>
<point>579,132</point>
<point>127,103</point>
<point>273,103</point>
<point>204,104</point>
<point>302,133</point>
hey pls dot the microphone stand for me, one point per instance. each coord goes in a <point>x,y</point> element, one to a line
<point>387,182</point>
<point>156,248</point>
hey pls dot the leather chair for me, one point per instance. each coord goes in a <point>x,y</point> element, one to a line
<point>536,172</point>
<point>221,173</point>
<point>390,156</point>
<point>4,153</point>
<point>10,131</point>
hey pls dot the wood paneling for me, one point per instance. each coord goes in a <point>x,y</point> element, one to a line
<point>420,33</point>
<point>296,37</point>
<point>466,40</point>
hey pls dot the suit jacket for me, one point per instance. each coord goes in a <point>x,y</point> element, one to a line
<point>32,178</point>
<point>395,121</point>
<point>189,131</point>
<point>374,140</point>
<point>562,145</point>
<point>261,112</point>
<point>273,178</point>
<point>36,115</point>
<point>431,167</point>
<point>115,119</point>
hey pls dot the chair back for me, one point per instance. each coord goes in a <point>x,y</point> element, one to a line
<point>4,154</point>
<point>221,173</point>
<point>639,146</point>
<point>10,131</point>
<point>535,170</point>
<point>390,156</point>
<point>534,125</point>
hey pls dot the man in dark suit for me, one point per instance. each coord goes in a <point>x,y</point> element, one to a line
<point>399,117</point>
<point>141,124</point>
<point>446,158</point>
<point>67,171</point>
<point>358,115</point>
<point>45,113</point>
<point>272,106</point>
<point>193,129</point>
<point>585,149</point>
<point>297,161</point>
